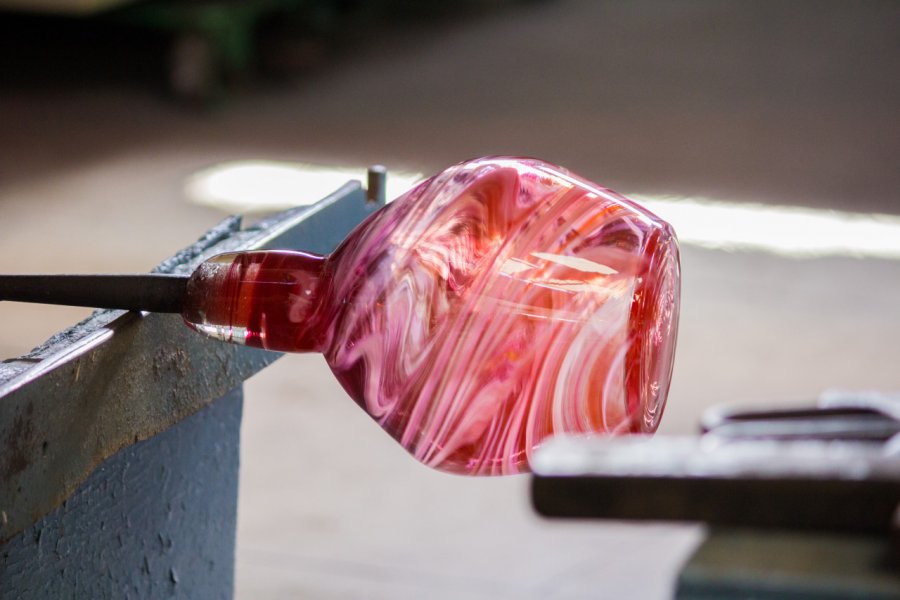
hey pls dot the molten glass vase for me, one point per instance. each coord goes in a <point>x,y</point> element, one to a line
<point>496,304</point>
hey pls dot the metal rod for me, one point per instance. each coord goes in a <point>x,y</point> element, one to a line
<point>156,292</point>
<point>376,184</point>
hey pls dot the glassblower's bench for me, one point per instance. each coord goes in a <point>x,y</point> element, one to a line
<point>119,438</point>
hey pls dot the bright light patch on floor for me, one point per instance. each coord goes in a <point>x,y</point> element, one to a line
<point>785,230</point>
<point>266,186</point>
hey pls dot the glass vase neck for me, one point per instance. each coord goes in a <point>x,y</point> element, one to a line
<point>268,300</point>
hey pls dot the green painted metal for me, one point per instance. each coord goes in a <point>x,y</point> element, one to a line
<point>740,563</point>
<point>227,26</point>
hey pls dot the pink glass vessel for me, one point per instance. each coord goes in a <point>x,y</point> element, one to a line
<point>500,302</point>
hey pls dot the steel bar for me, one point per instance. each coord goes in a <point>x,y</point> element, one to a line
<point>157,292</point>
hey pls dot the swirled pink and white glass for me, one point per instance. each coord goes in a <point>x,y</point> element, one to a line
<point>498,303</point>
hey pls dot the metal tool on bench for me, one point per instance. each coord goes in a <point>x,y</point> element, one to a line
<point>799,500</point>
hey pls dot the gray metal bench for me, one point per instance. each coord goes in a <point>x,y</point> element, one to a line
<point>119,438</point>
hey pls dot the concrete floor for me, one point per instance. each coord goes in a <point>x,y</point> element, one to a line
<point>788,103</point>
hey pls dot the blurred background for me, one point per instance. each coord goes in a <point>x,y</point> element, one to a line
<point>769,132</point>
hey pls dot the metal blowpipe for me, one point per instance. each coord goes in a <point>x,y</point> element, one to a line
<point>149,292</point>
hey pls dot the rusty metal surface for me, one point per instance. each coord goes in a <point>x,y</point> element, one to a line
<point>83,395</point>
